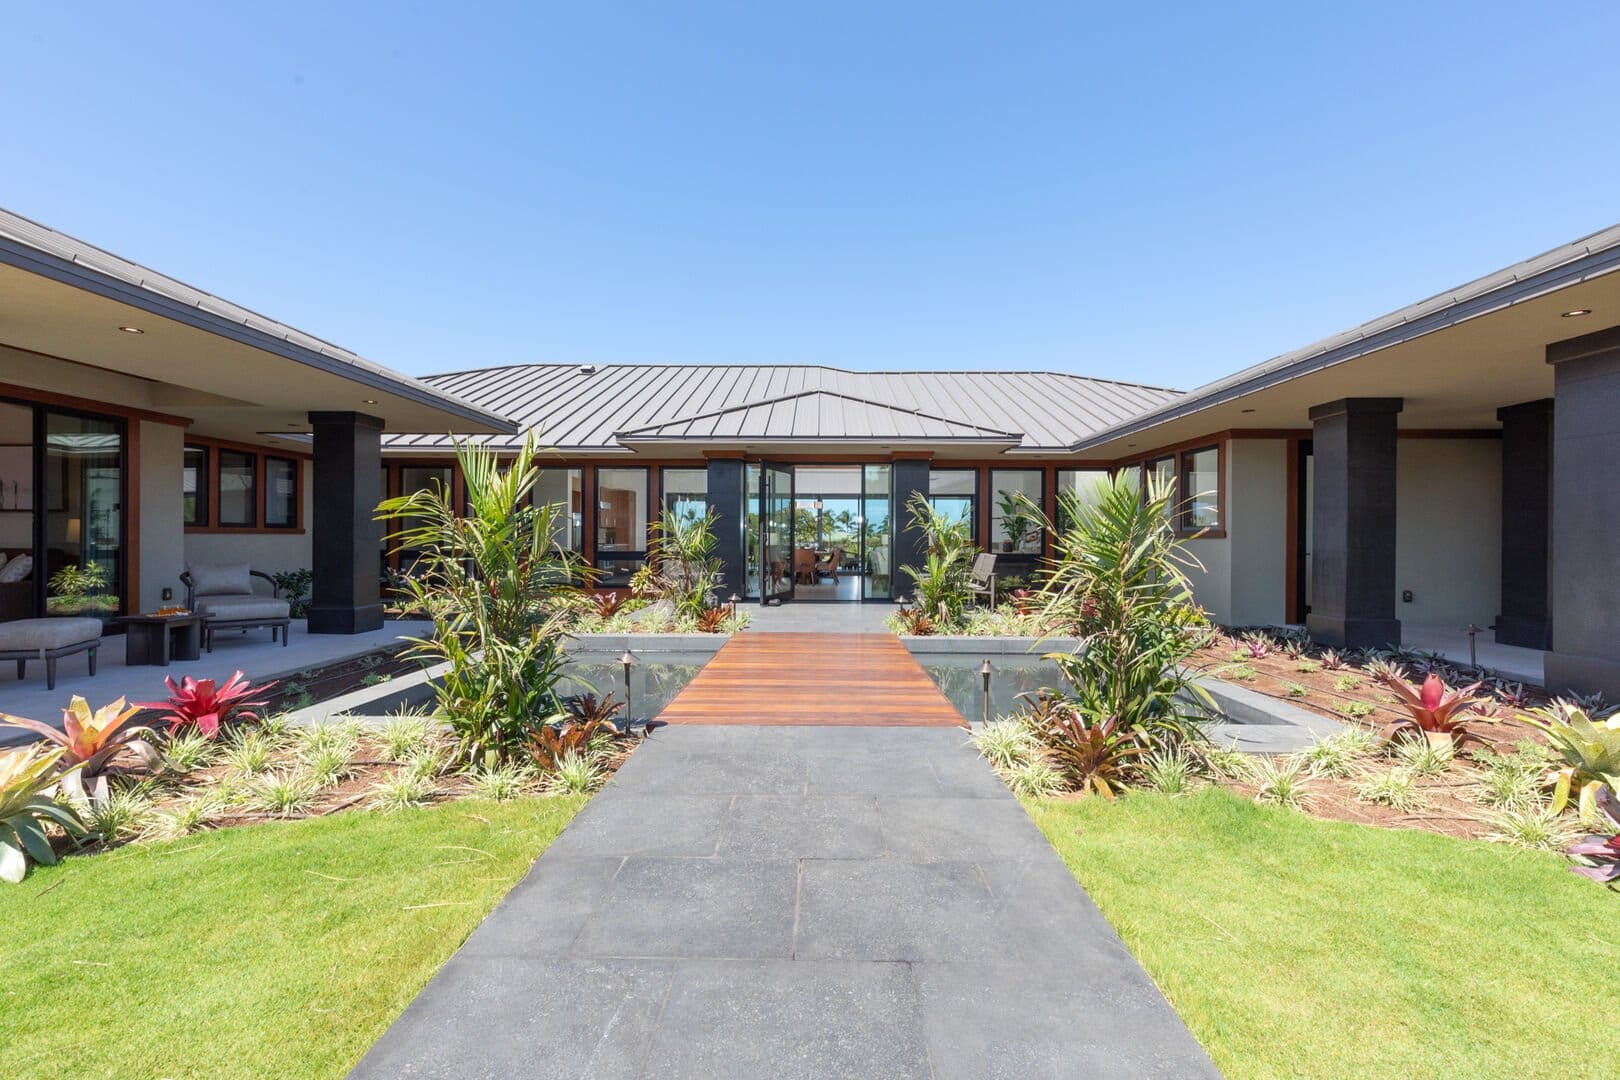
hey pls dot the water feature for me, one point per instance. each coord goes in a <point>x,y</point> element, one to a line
<point>655,677</point>
<point>959,677</point>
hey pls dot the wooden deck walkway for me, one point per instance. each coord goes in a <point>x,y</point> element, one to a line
<point>845,679</point>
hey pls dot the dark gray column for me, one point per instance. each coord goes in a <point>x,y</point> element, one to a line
<point>344,597</point>
<point>1527,434</point>
<point>1353,523</point>
<point>910,545</point>
<point>726,503</point>
<point>1585,654</point>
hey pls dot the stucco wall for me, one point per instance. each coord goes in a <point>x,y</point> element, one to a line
<point>1448,531</point>
<point>162,537</point>
<point>267,551</point>
<point>1257,530</point>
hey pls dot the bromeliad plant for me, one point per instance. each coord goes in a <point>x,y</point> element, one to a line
<point>1433,712</point>
<point>200,704</point>
<point>1597,856</point>
<point>26,775</point>
<point>501,591</point>
<point>1095,755</point>
<point>1590,749</point>
<point>90,741</point>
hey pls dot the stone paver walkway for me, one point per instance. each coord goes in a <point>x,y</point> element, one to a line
<point>781,902</point>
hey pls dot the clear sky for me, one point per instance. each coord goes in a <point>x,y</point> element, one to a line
<point>1156,192</point>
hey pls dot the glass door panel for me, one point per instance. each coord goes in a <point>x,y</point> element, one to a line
<point>17,505</point>
<point>776,532</point>
<point>84,516</point>
<point>876,531</point>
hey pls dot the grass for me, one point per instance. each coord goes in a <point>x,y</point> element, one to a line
<point>1306,948</point>
<point>278,950</point>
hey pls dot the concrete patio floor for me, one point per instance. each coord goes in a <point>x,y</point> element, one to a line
<point>251,653</point>
<point>793,902</point>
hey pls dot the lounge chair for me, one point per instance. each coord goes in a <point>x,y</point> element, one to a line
<point>982,578</point>
<point>224,593</point>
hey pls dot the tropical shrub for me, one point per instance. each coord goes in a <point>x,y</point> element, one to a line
<point>575,773</point>
<point>202,705</point>
<point>1395,788</point>
<point>1433,712</point>
<point>1598,856</point>
<point>1093,754</point>
<point>1536,826</point>
<point>1171,771</point>
<point>562,738</point>
<point>294,586</point>
<point>501,592</point>
<point>1118,582</point>
<point>1590,749</point>
<point>91,741</point>
<point>942,581</point>
<point>1281,780</point>
<point>1005,743</point>
<point>681,568</point>
<point>914,620</point>
<point>26,774</point>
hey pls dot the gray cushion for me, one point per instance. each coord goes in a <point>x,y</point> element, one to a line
<point>37,635</point>
<point>243,607</point>
<point>17,568</point>
<point>220,579</point>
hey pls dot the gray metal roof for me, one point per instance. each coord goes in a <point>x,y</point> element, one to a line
<point>589,407</point>
<point>40,249</point>
<point>1569,264</point>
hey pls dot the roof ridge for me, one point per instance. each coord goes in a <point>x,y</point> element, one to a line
<point>808,393</point>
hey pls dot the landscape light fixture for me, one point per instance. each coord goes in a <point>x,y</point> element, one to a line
<point>984,675</point>
<point>1577,313</point>
<point>1473,645</point>
<point>132,330</point>
<point>627,661</point>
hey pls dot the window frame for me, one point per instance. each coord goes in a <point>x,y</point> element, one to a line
<point>1183,471</point>
<point>293,520</point>
<point>1038,503</point>
<point>217,489</point>
<point>202,502</point>
<point>974,500</point>
<point>619,577</point>
<point>215,451</point>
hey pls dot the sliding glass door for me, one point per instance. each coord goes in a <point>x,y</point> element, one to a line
<point>776,532</point>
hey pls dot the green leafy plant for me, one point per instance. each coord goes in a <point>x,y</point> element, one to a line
<point>1225,762</point>
<point>501,592</point>
<point>1242,672</point>
<point>1359,710</point>
<point>1307,667</point>
<point>1346,683</point>
<point>248,753</point>
<point>1590,749</point>
<point>399,790</point>
<point>329,764</point>
<point>427,763</point>
<point>293,587</point>
<point>1424,758</point>
<point>1019,518</point>
<point>501,783</point>
<point>1537,827</point>
<point>575,773</point>
<point>942,579</point>
<point>1093,755</point>
<point>681,568</point>
<point>402,736</point>
<point>188,751</point>
<point>1034,779</point>
<point>1281,780</point>
<point>1337,755</point>
<point>186,817</point>
<point>124,813</point>
<point>1296,690</point>
<point>1395,787</point>
<point>1005,743</point>
<point>26,774</point>
<point>1170,772</point>
<point>288,793</point>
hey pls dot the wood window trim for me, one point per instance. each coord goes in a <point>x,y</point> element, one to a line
<point>1183,462</point>
<point>214,448</point>
<point>593,478</point>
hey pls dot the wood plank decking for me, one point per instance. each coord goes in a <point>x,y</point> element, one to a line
<point>846,679</point>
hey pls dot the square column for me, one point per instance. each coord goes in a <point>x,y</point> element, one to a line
<point>725,500</point>
<point>345,597</point>
<point>908,476</point>
<point>1585,544</point>
<point>1527,446</point>
<point>1353,523</point>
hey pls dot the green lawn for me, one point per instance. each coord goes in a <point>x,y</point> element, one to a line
<point>1296,947</point>
<point>278,950</point>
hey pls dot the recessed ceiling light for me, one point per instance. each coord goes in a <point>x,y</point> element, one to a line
<point>132,330</point>
<point>370,401</point>
<point>1577,313</point>
<point>1248,410</point>
<point>1129,445</point>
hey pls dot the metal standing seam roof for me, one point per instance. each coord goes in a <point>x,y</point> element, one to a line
<point>40,249</point>
<point>1568,264</point>
<point>589,407</point>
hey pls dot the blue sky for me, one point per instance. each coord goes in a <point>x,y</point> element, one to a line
<point>1159,193</point>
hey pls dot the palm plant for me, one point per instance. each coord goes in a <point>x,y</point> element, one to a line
<point>942,580</point>
<point>681,565</point>
<point>501,592</point>
<point>1119,582</point>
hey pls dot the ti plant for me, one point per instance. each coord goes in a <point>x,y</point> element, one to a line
<point>26,774</point>
<point>90,741</point>
<point>1093,755</point>
<point>1590,749</point>
<point>1432,711</point>
<point>1598,857</point>
<point>206,706</point>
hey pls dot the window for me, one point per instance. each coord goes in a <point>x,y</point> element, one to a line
<point>1078,486</point>
<point>1015,523</point>
<point>1162,471</point>
<point>238,483</point>
<point>686,492</point>
<point>280,493</point>
<point>621,523</point>
<point>194,486</point>
<point>1200,481</point>
<point>564,489</point>
<point>954,492</point>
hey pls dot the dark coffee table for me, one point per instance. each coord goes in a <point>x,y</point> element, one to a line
<point>157,639</point>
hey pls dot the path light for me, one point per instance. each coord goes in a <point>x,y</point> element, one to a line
<point>1473,646</point>
<point>734,599</point>
<point>984,675</point>
<point>628,661</point>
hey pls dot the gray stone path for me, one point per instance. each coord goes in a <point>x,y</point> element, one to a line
<point>781,902</point>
